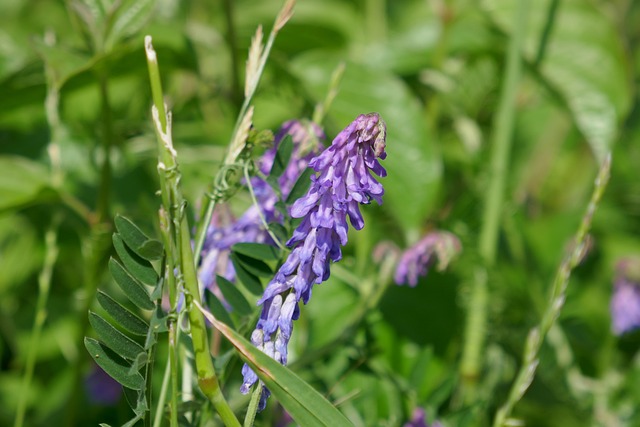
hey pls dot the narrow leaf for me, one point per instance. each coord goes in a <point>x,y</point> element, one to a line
<point>233,296</point>
<point>302,402</point>
<point>215,305</point>
<point>138,267</point>
<point>300,187</point>
<point>136,240</point>
<point>113,338</point>
<point>283,155</point>
<point>254,266</point>
<point>249,280</point>
<point>112,364</point>
<point>257,251</point>
<point>134,290</point>
<point>120,314</point>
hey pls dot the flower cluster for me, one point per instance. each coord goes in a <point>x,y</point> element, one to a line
<point>344,181</point>
<point>625,302</point>
<point>440,246</point>
<point>224,231</point>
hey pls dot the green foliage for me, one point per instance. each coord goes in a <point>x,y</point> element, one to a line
<point>77,143</point>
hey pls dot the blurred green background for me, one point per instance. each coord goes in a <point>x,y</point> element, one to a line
<point>73,77</point>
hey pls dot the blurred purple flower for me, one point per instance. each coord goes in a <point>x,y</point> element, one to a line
<point>436,246</point>
<point>625,302</point>
<point>344,182</point>
<point>101,388</point>
<point>224,231</point>
<point>418,419</point>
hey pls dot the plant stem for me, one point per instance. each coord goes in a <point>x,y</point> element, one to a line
<point>546,33</point>
<point>104,191</point>
<point>252,409</point>
<point>501,145</point>
<point>44,285</point>
<point>174,205</point>
<point>556,301</point>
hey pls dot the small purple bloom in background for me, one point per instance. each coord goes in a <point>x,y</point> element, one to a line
<point>101,388</point>
<point>625,302</point>
<point>344,181</point>
<point>440,246</point>
<point>225,231</point>
<point>418,419</point>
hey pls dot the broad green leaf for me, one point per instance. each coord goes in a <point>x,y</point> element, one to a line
<point>22,181</point>
<point>254,266</point>
<point>138,267</point>
<point>302,402</point>
<point>233,296</point>
<point>257,250</point>
<point>413,162</point>
<point>113,338</point>
<point>124,317</point>
<point>584,61</point>
<point>112,364</point>
<point>301,186</point>
<point>249,280</point>
<point>216,306</point>
<point>283,155</point>
<point>136,240</point>
<point>134,290</point>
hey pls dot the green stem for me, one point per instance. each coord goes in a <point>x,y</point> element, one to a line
<point>546,33</point>
<point>557,298</point>
<point>252,409</point>
<point>475,333</point>
<point>44,285</point>
<point>174,205</point>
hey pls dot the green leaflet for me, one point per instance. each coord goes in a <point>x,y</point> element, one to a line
<point>134,290</point>
<point>114,339</point>
<point>113,364</point>
<point>122,316</point>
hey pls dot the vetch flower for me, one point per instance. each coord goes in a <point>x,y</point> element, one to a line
<point>625,302</point>
<point>344,181</point>
<point>224,231</point>
<point>440,246</point>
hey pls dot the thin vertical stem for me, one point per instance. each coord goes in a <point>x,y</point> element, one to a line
<point>556,301</point>
<point>44,285</point>
<point>104,190</point>
<point>501,146</point>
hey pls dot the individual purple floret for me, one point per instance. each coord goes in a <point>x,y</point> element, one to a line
<point>344,181</point>
<point>418,419</point>
<point>418,259</point>
<point>224,231</point>
<point>625,302</point>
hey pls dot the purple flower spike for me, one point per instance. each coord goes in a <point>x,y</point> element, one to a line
<point>417,260</point>
<point>224,231</point>
<point>344,181</point>
<point>625,302</point>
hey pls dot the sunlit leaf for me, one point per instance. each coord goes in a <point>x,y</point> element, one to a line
<point>136,240</point>
<point>584,61</point>
<point>112,364</point>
